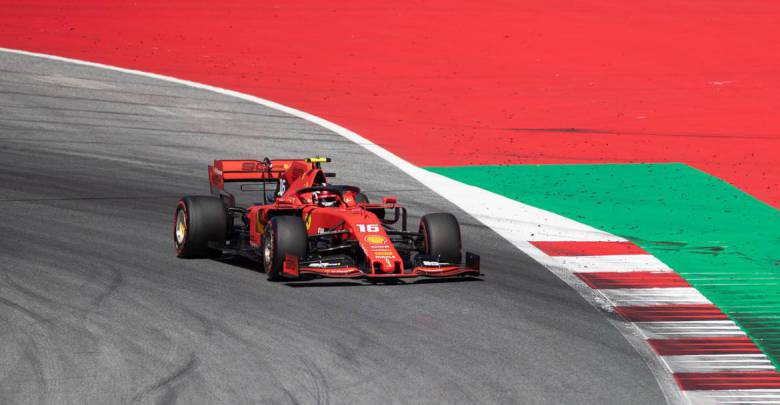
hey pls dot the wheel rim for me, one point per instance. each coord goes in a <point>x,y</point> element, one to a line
<point>181,228</point>
<point>268,251</point>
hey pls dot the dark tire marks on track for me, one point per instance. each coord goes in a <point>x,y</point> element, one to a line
<point>95,308</point>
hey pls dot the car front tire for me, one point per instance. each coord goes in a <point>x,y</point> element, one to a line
<point>441,237</point>
<point>283,235</point>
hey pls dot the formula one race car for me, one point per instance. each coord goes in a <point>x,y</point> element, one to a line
<point>284,214</point>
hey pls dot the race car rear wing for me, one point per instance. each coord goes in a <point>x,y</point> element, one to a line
<point>266,169</point>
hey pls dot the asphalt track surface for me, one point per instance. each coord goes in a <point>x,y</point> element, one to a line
<point>96,308</point>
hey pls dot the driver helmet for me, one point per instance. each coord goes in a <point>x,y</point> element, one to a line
<point>325,198</point>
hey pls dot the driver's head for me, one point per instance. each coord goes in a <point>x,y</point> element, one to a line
<point>324,198</point>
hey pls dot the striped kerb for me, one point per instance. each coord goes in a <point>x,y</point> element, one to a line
<point>711,345</point>
<point>634,279</point>
<point>745,380</point>
<point>588,248</point>
<point>667,313</point>
<point>708,355</point>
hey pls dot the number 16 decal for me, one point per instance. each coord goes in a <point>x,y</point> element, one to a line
<point>368,227</point>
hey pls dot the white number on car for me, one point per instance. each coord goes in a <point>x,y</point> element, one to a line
<point>368,227</point>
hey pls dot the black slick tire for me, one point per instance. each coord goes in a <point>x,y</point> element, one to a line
<point>198,221</point>
<point>283,235</point>
<point>441,237</point>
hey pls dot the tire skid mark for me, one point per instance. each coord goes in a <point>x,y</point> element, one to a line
<point>176,376</point>
<point>24,310</point>
<point>116,281</point>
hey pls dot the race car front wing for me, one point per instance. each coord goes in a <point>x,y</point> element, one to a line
<point>294,270</point>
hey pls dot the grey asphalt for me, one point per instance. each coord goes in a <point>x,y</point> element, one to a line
<point>95,307</point>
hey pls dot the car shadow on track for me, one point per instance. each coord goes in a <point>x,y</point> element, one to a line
<point>239,261</point>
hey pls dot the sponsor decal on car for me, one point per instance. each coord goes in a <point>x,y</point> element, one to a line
<point>323,265</point>
<point>386,254</point>
<point>376,239</point>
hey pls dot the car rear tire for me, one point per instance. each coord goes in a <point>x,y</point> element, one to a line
<point>283,235</point>
<point>198,221</point>
<point>441,237</point>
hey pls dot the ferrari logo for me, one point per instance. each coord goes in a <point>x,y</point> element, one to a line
<point>308,221</point>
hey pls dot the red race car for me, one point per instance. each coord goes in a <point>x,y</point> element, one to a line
<point>284,214</point>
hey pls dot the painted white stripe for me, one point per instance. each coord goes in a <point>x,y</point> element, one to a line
<point>616,263</point>
<point>716,363</point>
<point>516,222</point>
<point>735,397</point>
<point>689,329</point>
<point>654,296</point>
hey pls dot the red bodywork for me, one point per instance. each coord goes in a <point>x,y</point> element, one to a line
<point>352,220</point>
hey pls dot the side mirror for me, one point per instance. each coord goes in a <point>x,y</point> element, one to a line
<point>389,200</point>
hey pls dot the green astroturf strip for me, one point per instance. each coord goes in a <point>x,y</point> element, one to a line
<point>723,241</point>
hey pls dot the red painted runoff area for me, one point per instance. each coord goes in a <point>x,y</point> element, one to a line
<point>446,83</point>
<point>588,248</point>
